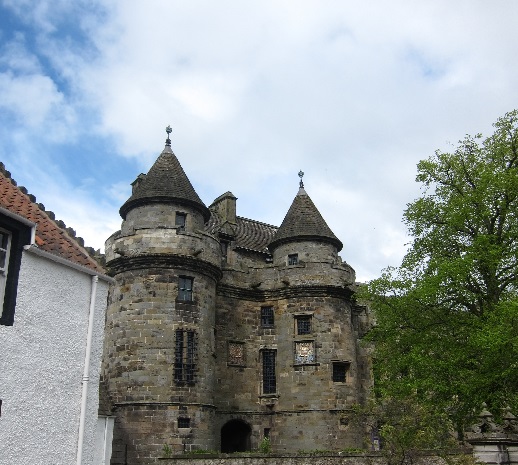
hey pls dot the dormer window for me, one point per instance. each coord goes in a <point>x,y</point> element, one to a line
<point>293,259</point>
<point>180,220</point>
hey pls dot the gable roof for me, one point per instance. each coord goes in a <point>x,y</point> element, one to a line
<point>303,222</point>
<point>50,237</point>
<point>166,181</point>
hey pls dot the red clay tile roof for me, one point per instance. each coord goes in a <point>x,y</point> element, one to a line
<point>49,236</point>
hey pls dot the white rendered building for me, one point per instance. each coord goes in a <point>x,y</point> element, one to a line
<point>53,296</point>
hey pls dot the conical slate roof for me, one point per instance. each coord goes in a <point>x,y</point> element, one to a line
<point>303,222</point>
<point>166,182</point>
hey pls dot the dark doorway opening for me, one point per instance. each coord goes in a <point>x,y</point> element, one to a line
<point>235,436</point>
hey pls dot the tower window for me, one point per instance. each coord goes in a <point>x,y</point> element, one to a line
<point>269,379</point>
<point>184,422</point>
<point>184,356</point>
<point>303,324</point>
<point>185,288</point>
<point>224,250</point>
<point>340,370</point>
<point>267,317</point>
<point>293,259</point>
<point>180,220</point>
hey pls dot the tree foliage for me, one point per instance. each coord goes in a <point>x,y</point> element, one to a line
<point>408,430</point>
<point>447,318</point>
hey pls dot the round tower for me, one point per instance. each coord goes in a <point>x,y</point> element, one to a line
<point>159,349</point>
<point>318,354</point>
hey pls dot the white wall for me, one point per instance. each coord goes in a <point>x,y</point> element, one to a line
<point>41,365</point>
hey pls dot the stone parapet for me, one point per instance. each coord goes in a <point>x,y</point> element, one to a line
<point>199,245</point>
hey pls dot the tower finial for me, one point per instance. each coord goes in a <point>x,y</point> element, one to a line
<point>301,174</point>
<point>169,131</point>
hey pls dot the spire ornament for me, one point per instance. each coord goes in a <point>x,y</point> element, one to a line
<point>169,131</point>
<point>301,175</point>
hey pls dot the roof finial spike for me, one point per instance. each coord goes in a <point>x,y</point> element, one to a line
<point>169,131</point>
<point>301,174</point>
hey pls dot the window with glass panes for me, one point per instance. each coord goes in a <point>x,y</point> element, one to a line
<point>267,317</point>
<point>303,323</point>
<point>269,379</point>
<point>180,220</point>
<point>184,356</point>
<point>185,288</point>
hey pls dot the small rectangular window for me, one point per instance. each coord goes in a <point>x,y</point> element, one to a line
<point>184,422</point>
<point>224,250</point>
<point>269,378</point>
<point>303,323</point>
<point>184,356</point>
<point>267,317</point>
<point>185,288</point>
<point>340,370</point>
<point>180,220</point>
<point>293,259</point>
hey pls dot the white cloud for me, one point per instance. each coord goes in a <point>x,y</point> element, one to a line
<point>354,93</point>
<point>33,100</point>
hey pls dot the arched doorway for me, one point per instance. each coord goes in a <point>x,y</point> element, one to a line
<point>235,436</point>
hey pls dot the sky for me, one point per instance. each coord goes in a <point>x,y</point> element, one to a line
<point>353,93</point>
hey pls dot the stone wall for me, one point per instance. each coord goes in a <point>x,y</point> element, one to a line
<point>276,459</point>
<point>309,410</point>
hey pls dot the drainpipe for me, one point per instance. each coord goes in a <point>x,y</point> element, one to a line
<point>86,371</point>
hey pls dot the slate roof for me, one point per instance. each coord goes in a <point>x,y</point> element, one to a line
<point>166,181</point>
<point>249,234</point>
<point>303,222</point>
<point>50,237</point>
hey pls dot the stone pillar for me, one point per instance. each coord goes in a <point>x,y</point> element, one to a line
<point>495,444</point>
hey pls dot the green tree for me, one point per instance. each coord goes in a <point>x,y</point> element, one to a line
<point>408,430</point>
<point>447,318</point>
